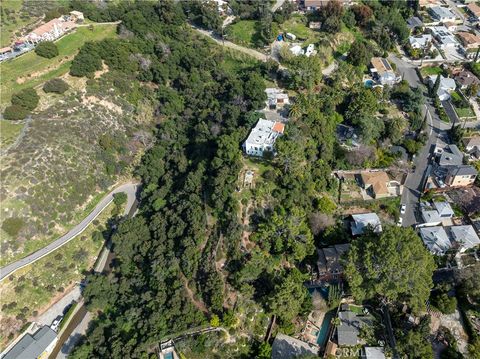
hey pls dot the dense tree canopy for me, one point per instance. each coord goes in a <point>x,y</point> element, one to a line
<point>46,49</point>
<point>393,265</point>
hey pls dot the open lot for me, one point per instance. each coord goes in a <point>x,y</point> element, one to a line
<point>243,32</point>
<point>31,70</point>
<point>8,132</point>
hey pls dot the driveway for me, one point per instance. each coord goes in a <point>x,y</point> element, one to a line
<point>436,129</point>
<point>129,188</point>
<point>450,111</point>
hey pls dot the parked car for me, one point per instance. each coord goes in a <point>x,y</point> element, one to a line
<point>399,223</point>
<point>403,208</point>
<point>56,323</point>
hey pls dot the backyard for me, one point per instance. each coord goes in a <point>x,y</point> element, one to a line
<point>242,32</point>
<point>31,70</point>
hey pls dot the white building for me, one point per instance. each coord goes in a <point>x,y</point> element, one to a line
<point>445,38</point>
<point>296,50</point>
<point>262,137</point>
<point>447,85</point>
<point>310,50</point>
<point>442,14</point>
<point>51,30</point>
<point>420,42</point>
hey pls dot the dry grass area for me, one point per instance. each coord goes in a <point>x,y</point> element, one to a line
<point>57,172</point>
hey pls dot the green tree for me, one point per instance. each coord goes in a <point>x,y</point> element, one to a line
<point>436,86</point>
<point>87,61</point>
<point>393,265</point>
<point>15,113</point>
<point>264,351</point>
<point>215,321</point>
<point>415,346</point>
<point>26,98</point>
<point>12,226</point>
<point>56,86</point>
<point>359,55</point>
<point>395,128</point>
<point>289,296</point>
<point>46,49</point>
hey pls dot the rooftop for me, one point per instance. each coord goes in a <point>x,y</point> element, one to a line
<point>463,170</point>
<point>349,328</point>
<point>329,258</point>
<point>466,78</point>
<point>378,180</point>
<point>474,8</point>
<point>362,221</point>
<point>32,346</point>
<point>435,239</point>
<point>381,65</point>
<point>414,22</point>
<point>465,236</point>
<point>444,209</point>
<point>265,132</point>
<point>374,353</point>
<point>442,12</point>
<point>286,347</point>
<point>451,156</point>
<point>431,216</point>
<point>468,38</point>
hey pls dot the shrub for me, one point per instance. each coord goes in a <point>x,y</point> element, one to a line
<point>444,303</point>
<point>12,226</point>
<point>87,61</point>
<point>15,112</point>
<point>27,98</point>
<point>56,86</point>
<point>46,49</point>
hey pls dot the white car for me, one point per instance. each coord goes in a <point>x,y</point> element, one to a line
<point>399,223</point>
<point>403,208</point>
<point>56,323</point>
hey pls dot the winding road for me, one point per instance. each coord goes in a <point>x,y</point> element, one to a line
<point>129,188</point>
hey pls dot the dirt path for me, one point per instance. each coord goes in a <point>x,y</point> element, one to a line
<point>197,303</point>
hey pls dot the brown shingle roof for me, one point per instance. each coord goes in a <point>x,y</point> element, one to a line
<point>474,8</point>
<point>378,181</point>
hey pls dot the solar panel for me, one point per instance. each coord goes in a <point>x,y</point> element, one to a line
<point>386,64</point>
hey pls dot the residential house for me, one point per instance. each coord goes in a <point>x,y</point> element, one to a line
<point>465,237</point>
<point>373,353</point>
<point>51,30</point>
<point>287,347</point>
<point>422,42</point>
<point>460,176</point>
<point>347,137</point>
<point>442,14</point>
<point>363,221</point>
<point>465,79</point>
<point>310,50</point>
<point>435,239</point>
<point>444,209</point>
<point>444,37</point>
<point>414,23</point>
<point>470,43</point>
<point>350,325</point>
<point>451,155</point>
<point>262,137</point>
<point>428,3</point>
<point>382,71</point>
<point>379,185</point>
<point>430,217</point>
<point>474,9</point>
<point>329,262</point>
<point>34,346</point>
<point>472,146</point>
<point>276,98</point>
<point>447,85</point>
<point>76,16</point>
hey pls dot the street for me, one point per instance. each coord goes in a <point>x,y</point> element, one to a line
<point>436,130</point>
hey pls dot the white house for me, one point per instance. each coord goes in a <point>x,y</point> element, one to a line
<point>447,85</point>
<point>51,30</point>
<point>296,50</point>
<point>444,37</point>
<point>442,14</point>
<point>444,209</point>
<point>310,50</point>
<point>382,71</point>
<point>276,98</point>
<point>262,137</point>
<point>420,42</point>
<point>435,239</point>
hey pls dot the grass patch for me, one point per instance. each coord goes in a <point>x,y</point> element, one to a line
<point>67,316</point>
<point>32,70</point>
<point>34,287</point>
<point>236,61</point>
<point>9,131</point>
<point>243,32</point>
<point>464,112</point>
<point>431,70</point>
<point>297,25</point>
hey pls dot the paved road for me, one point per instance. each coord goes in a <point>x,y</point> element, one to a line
<point>449,110</point>
<point>277,5</point>
<point>436,133</point>
<point>130,189</point>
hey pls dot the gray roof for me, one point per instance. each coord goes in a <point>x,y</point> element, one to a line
<point>444,209</point>
<point>431,216</point>
<point>465,236</point>
<point>329,259</point>
<point>435,239</point>
<point>451,156</point>
<point>374,353</point>
<point>349,328</point>
<point>441,12</point>
<point>32,346</point>
<point>286,347</point>
<point>414,22</point>
<point>362,221</point>
<point>463,170</point>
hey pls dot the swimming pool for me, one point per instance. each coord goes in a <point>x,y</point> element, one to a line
<point>324,329</point>
<point>168,355</point>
